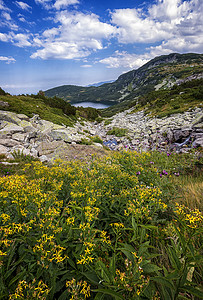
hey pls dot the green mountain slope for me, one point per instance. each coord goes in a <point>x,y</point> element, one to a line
<point>160,73</point>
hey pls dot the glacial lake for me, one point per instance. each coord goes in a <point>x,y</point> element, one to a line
<point>91,104</point>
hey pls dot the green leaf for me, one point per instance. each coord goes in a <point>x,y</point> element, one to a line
<point>109,292</point>
<point>20,275</point>
<point>174,258</point>
<point>91,276</point>
<point>105,274</point>
<point>150,227</point>
<point>99,296</point>
<point>134,224</point>
<point>150,268</point>
<point>163,281</point>
<point>194,291</point>
<point>64,295</point>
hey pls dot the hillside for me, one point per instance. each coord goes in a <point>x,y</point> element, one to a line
<point>160,73</point>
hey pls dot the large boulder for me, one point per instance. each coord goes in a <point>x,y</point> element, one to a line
<point>11,128</point>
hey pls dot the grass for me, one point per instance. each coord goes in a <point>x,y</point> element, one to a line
<point>190,191</point>
<point>29,106</point>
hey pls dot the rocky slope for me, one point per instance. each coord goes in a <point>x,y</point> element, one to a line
<point>46,140</point>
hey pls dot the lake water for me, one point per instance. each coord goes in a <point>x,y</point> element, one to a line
<point>91,104</point>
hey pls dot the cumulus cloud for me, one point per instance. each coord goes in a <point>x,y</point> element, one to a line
<point>161,22</point>
<point>64,3</point>
<point>77,36</point>
<point>6,59</point>
<point>126,60</point>
<point>23,5</point>
<point>175,25</point>
<point>22,40</point>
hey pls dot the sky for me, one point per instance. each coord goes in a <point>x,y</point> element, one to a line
<point>48,43</point>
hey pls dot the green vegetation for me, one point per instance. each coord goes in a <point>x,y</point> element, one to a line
<point>85,141</point>
<point>164,102</point>
<point>54,109</point>
<point>179,99</point>
<point>119,132</point>
<point>89,113</point>
<point>96,139</point>
<point>111,228</point>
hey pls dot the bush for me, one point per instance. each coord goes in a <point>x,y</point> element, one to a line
<point>119,132</point>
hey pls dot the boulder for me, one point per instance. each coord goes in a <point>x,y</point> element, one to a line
<point>9,117</point>
<point>4,104</point>
<point>62,134</point>
<point>44,158</point>
<point>11,128</point>
<point>19,137</point>
<point>46,148</point>
<point>198,142</point>
<point>3,150</point>
<point>8,142</point>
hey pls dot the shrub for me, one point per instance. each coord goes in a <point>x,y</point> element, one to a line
<point>119,132</point>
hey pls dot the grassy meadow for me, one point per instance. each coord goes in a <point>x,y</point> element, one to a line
<point>124,226</point>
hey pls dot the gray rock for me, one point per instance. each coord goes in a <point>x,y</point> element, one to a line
<point>46,148</point>
<point>11,128</point>
<point>9,117</point>
<point>61,135</point>
<point>44,158</point>
<point>3,150</point>
<point>8,142</point>
<point>18,137</point>
<point>198,142</point>
<point>4,104</point>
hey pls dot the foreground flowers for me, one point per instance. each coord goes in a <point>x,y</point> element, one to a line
<point>76,230</point>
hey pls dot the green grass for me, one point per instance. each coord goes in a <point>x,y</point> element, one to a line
<point>29,106</point>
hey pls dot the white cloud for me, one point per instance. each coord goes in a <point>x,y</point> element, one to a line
<point>3,6</point>
<point>45,3</point>
<point>60,50</point>
<point>64,3</point>
<point>21,40</point>
<point>77,36</point>
<point>86,66</point>
<point>6,16</point>
<point>126,60</point>
<point>8,60</point>
<point>163,21</point>
<point>4,37</point>
<point>23,5</point>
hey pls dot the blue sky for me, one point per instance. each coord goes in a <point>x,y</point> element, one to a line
<point>47,43</point>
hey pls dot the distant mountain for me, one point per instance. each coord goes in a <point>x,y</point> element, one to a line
<point>158,74</point>
<point>100,83</point>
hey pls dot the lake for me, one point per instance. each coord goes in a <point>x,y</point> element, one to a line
<point>91,104</point>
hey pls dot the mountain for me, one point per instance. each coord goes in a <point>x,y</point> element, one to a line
<point>158,74</point>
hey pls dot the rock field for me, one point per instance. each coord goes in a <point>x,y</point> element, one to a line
<point>46,140</point>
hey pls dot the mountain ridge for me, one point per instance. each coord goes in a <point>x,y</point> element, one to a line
<point>128,86</point>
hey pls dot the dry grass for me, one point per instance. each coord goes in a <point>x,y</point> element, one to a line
<point>190,191</point>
